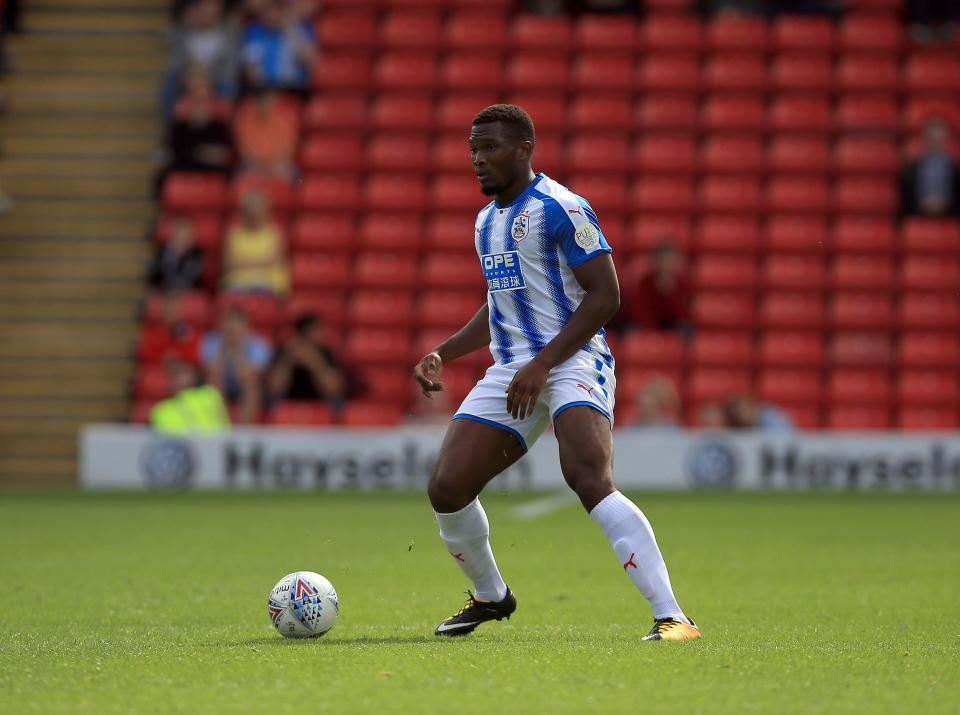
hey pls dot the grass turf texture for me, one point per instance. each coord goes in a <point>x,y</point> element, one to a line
<point>157,603</point>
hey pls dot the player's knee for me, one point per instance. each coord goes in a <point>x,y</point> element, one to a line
<point>590,483</point>
<point>445,494</point>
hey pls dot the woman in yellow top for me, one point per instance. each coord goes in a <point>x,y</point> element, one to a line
<point>254,256</point>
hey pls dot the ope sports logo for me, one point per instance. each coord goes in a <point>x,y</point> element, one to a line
<point>502,271</point>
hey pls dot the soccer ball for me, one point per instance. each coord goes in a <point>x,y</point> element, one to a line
<point>303,604</point>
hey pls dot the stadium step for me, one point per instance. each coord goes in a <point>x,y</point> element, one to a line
<point>70,269</point>
<point>36,470</point>
<point>94,145</point>
<point>47,311</point>
<point>79,125</point>
<point>151,20</point>
<point>125,85</point>
<point>84,103</point>
<point>131,167</point>
<point>75,290</point>
<point>80,44</point>
<point>107,387</point>
<point>81,186</point>
<point>32,63</point>
<point>101,209</point>
<point>16,247</point>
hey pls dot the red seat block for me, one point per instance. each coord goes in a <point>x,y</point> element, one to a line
<point>451,232</point>
<point>373,413</point>
<point>403,112</point>
<point>928,273</point>
<point>867,73</point>
<point>606,193</point>
<point>865,195</point>
<point>194,192</point>
<point>724,273</point>
<point>406,71</point>
<point>665,154</point>
<point>478,71</point>
<point>871,33</point>
<point>336,192</point>
<point>292,413</point>
<point>331,152</point>
<point>152,383</point>
<point>485,31</point>
<point>667,112</point>
<point>455,112</point>
<point>794,272</point>
<point>590,112</point>
<point>863,273</point>
<point>410,30</point>
<point>400,152</point>
<point>194,308</point>
<point>921,108</point>
<point>938,236</point>
<point>391,232</point>
<point>932,72</point>
<point>347,30</point>
<point>380,270</point>
<point>605,153</point>
<point>376,346</point>
<point>651,349</point>
<point>319,271</point>
<point>603,72</point>
<point>335,111</point>
<point>857,417</point>
<point>724,154</point>
<point>669,73</point>
<point>277,191</point>
<point>867,113</point>
<point>793,387</point>
<point>724,233</point>
<point>723,311</point>
<point>734,113</point>
<point>800,113</point>
<point>347,70</point>
<point>447,309</point>
<point>378,308</point>
<point>856,311</point>
<point>862,234</point>
<point>647,230</point>
<point>663,194</point>
<point>711,384</point>
<point>801,72</point>
<point>799,154</point>
<point>395,192</point>
<point>605,33</point>
<point>386,384</point>
<point>541,32</point>
<point>858,349</point>
<point>737,34</point>
<point>456,192</point>
<point>796,234</point>
<point>721,349</point>
<point>792,311</point>
<point>859,387</point>
<point>925,418</point>
<point>930,350</point>
<point>537,72</point>
<point>262,310</point>
<point>671,33</point>
<point>316,232</point>
<point>921,311</point>
<point>328,305</point>
<point>453,271</point>
<point>735,73</point>
<point>928,387</point>
<point>803,33</point>
<point>797,195</point>
<point>789,349</point>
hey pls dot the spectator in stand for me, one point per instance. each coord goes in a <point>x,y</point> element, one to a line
<point>661,299</point>
<point>178,264</point>
<point>254,257</point>
<point>202,38</point>
<point>745,412</point>
<point>712,416</point>
<point>279,48</point>
<point>305,368</point>
<point>933,19</point>
<point>192,408</point>
<point>173,338</point>
<point>200,140</point>
<point>236,359</point>
<point>930,185</point>
<point>657,403</point>
<point>266,132</point>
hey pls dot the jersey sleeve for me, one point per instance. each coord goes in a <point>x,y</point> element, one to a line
<point>578,233</point>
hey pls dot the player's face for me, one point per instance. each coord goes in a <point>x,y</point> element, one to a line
<point>497,157</point>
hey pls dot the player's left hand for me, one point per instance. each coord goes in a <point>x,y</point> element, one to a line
<point>525,389</point>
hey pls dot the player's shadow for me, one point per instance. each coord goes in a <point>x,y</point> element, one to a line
<point>273,641</point>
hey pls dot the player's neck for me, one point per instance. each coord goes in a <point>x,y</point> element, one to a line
<point>516,188</point>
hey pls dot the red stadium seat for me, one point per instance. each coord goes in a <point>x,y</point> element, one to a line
<point>373,413</point>
<point>723,311</point>
<point>794,33</point>
<point>927,419</point>
<point>867,73</point>
<point>603,72</point>
<point>387,385</point>
<point>727,234</point>
<point>735,73</point>
<point>316,232</point>
<point>930,273</point>
<point>410,31</point>
<point>646,230</point>
<point>799,154</point>
<point>937,73</point>
<point>406,71</point>
<point>375,346</point>
<point>667,7</point>
<point>377,308</point>
<point>734,113</point>
<point>152,383</point>
<point>800,113</point>
<point>335,111</point>
<point>869,33</point>
<point>926,311</point>
<point>666,112</point>
<point>721,349</point>
<point>866,113</point>
<point>797,195</point>
<point>456,192</point>
<point>788,349</point>
<point>398,152</point>
<point>732,194</point>
<point>794,273</point>
<point>724,273</point>
<point>921,235</point>
<point>859,387</point>
<point>277,190</point>
<point>451,232</point>
<point>385,270</point>
<point>605,33</point>
<point>861,311</point>
<point>860,234</point>
<point>669,73</point>
<point>207,230</point>
<point>331,152</point>
<point>671,33</point>
<point>402,112</point>
<point>194,192</point>
<point>928,387</point>
<point>710,384</point>
<point>347,30</point>
<point>451,153</point>
<point>865,195</point>
<point>865,155</point>
<point>395,192</point>
<point>796,234</point>
<point>737,34</point>
<point>791,311</point>
<point>475,71</point>
<point>665,154</point>
<point>446,309</point>
<point>801,73</point>
<point>921,108</point>
<point>455,112</point>
<point>794,387</point>
<point>858,349</point>
<point>548,107</point>
<point>485,31</point>
<point>319,271</point>
<point>318,192</point>
<point>651,349</point>
<point>605,153</point>
<point>292,413</point>
<point>929,350</point>
<point>604,192</point>
<point>590,112</point>
<point>452,271</point>
<point>541,32</point>
<point>663,194</point>
<point>194,308</point>
<point>856,417</point>
<point>537,72</point>
<point>329,306</point>
<point>862,273</point>
<point>391,232</point>
<point>723,154</point>
<point>343,70</point>
<point>262,310</point>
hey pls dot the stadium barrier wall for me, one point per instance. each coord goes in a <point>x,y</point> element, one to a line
<point>125,457</point>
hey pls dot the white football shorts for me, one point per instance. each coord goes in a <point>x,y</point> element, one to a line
<point>581,380</point>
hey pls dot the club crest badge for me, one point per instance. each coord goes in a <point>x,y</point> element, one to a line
<point>521,226</point>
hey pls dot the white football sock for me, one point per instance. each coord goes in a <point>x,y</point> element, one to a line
<point>631,536</point>
<point>466,534</point>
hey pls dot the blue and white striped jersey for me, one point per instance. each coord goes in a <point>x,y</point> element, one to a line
<point>527,251</point>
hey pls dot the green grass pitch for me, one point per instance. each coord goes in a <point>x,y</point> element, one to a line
<point>114,603</point>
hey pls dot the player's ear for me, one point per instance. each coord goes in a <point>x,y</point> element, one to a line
<point>525,150</point>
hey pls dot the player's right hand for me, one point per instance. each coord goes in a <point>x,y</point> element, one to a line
<point>427,373</point>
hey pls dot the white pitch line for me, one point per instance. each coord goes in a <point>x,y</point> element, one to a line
<point>544,505</point>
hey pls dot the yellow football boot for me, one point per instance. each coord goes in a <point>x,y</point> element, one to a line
<point>670,629</point>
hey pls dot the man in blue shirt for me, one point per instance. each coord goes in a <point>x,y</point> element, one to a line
<point>278,49</point>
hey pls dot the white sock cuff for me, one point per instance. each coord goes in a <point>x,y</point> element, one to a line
<point>612,510</point>
<point>467,523</point>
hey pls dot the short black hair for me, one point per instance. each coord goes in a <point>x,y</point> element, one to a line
<point>511,114</point>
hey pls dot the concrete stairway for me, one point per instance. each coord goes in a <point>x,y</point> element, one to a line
<point>76,151</point>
